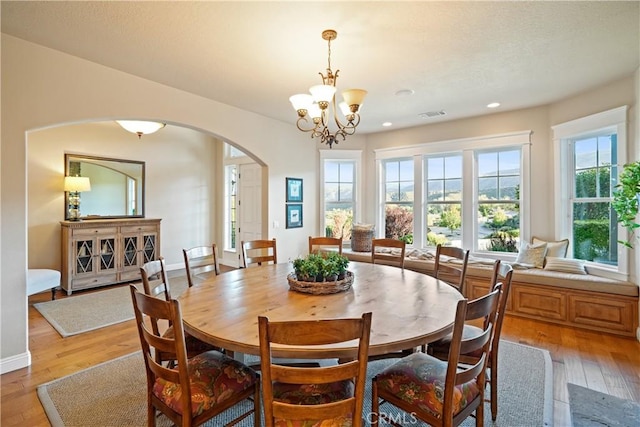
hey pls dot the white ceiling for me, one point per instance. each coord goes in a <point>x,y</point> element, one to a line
<point>455,56</point>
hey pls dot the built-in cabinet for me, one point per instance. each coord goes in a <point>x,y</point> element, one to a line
<point>103,252</point>
<point>597,311</point>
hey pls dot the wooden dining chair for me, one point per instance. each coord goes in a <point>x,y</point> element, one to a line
<point>317,244</point>
<point>331,395</point>
<point>438,392</point>
<point>154,279</point>
<point>259,251</point>
<point>440,348</point>
<point>389,250</point>
<point>201,263</point>
<point>196,389</point>
<point>453,274</point>
<point>156,284</point>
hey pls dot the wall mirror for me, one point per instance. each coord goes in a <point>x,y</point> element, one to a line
<point>117,186</point>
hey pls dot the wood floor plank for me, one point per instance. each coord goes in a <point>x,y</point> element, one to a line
<point>560,392</point>
<point>561,414</point>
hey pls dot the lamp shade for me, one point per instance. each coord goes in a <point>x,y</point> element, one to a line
<point>354,96</point>
<point>314,111</point>
<point>301,101</point>
<point>140,127</point>
<point>322,93</point>
<point>76,184</point>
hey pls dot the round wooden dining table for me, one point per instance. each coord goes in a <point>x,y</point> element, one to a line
<point>408,308</point>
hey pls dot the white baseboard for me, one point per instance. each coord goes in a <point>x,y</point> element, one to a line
<point>13,363</point>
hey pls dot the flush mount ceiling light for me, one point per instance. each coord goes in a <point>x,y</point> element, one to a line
<point>322,96</point>
<point>140,127</point>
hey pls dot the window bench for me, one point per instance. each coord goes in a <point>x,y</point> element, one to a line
<point>582,301</point>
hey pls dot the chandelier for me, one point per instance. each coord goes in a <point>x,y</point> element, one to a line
<point>317,104</point>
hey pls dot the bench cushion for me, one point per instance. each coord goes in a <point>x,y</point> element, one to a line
<point>39,280</point>
<point>423,262</point>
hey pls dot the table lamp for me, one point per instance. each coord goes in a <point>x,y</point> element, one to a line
<point>74,185</point>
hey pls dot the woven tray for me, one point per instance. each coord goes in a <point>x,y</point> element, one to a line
<point>320,288</point>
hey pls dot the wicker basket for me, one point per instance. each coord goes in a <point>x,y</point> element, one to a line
<point>361,238</point>
<point>320,288</point>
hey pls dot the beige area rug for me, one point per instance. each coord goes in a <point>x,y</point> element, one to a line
<point>86,312</point>
<point>114,393</point>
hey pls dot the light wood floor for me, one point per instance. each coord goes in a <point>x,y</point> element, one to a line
<point>601,362</point>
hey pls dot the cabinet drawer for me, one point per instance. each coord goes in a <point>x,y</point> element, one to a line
<point>130,276</point>
<point>601,313</point>
<point>546,304</point>
<point>480,288</point>
<point>477,288</point>
<point>90,282</point>
<point>139,229</point>
<point>94,231</point>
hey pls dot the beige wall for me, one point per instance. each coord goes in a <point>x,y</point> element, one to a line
<point>43,88</point>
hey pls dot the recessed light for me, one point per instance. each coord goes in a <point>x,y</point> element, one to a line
<point>493,105</point>
<point>387,124</point>
<point>405,92</point>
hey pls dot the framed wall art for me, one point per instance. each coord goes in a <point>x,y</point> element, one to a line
<point>294,215</point>
<point>294,190</point>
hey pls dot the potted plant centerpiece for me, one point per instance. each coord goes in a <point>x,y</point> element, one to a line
<point>321,274</point>
<point>625,199</point>
<point>339,264</point>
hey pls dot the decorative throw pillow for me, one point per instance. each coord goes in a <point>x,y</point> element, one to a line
<point>565,265</point>
<point>556,249</point>
<point>532,254</point>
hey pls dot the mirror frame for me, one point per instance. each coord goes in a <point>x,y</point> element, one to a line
<point>69,157</point>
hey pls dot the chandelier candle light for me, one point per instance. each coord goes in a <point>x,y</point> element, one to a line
<point>316,105</point>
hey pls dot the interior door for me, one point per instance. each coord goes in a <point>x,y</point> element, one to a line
<point>249,204</point>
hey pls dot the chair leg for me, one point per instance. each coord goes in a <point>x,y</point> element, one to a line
<point>151,414</point>
<point>494,390</point>
<point>480,412</point>
<point>257,411</point>
<point>374,402</point>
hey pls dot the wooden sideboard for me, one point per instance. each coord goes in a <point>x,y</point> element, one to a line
<point>106,251</point>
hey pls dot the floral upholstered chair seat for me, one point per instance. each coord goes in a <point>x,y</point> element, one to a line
<point>214,378</point>
<point>419,379</point>
<point>313,394</point>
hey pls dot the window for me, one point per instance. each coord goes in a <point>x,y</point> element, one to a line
<point>591,150</point>
<point>443,195</point>
<point>466,193</point>
<point>340,186</point>
<point>339,180</point>
<point>231,223</point>
<point>398,199</point>
<point>498,198</point>
<point>594,231</point>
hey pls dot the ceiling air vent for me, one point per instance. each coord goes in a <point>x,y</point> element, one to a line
<point>431,114</point>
